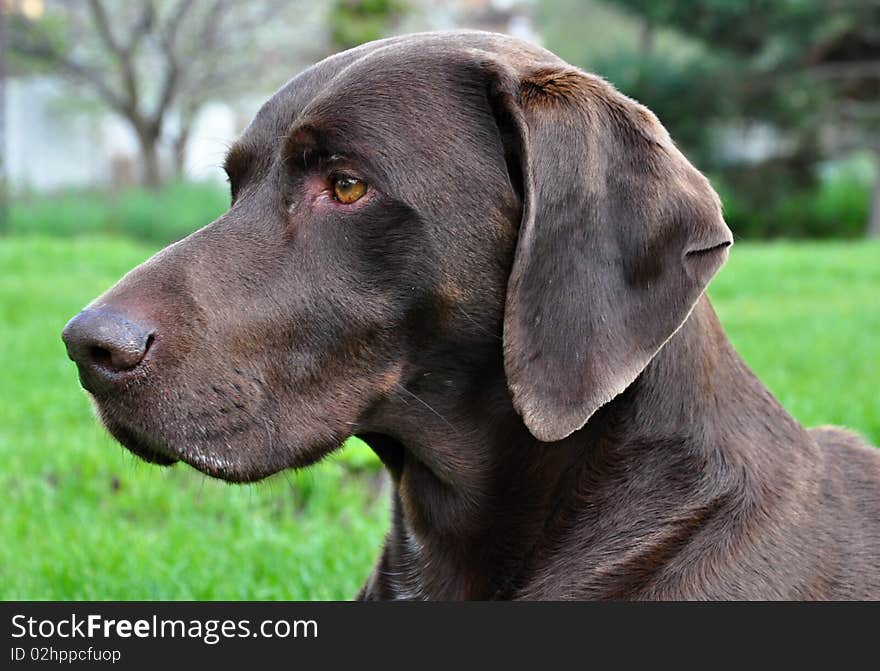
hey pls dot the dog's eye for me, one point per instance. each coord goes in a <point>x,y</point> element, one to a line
<point>347,190</point>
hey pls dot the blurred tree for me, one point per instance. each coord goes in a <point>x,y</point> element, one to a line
<point>149,59</point>
<point>666,70</point>
<point>810,69</point>
<point>759,93</point>
<point>353,22</point>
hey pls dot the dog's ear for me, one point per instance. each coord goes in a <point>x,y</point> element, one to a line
<point>619,237</point>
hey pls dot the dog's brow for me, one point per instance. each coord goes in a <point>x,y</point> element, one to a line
<point>236,161</point>
<point>305,148</point>
<point>298,146</point>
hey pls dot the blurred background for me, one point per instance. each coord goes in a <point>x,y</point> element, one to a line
<point>115,119</point>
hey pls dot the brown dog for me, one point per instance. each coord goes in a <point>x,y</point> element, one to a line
<point>491,265</point>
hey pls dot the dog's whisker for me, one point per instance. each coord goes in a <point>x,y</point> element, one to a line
<point>201,488</point>
<point>428,406</point>
<point>479,326</point>
<point>290,484</point>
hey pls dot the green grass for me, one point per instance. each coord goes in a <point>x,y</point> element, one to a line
<point>806,318</point>
<point>157,217</point>
<point>82,519</point>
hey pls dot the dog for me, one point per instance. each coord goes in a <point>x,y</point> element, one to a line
<point>491,266</point>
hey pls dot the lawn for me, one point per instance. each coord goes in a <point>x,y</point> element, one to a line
<point>82,519</point>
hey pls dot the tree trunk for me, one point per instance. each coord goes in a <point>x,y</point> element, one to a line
<point>180,143</point>
<point>874,216</point>
<point>151,176</point>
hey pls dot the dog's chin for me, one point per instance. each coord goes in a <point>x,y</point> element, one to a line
<point>214,458</point>
<point>149,451</point>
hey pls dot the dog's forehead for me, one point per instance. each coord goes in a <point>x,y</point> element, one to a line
<point>396,72</point>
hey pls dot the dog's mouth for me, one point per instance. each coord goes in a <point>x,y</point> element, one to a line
<point>224,428</point>
<point>148,450</point>
<point>250,456</point>
<point>205,461</point>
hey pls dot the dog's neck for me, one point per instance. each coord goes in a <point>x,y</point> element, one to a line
<point>476,494</point>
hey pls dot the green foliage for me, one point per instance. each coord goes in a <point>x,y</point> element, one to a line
<point>766,30</point>
<point>672,90</point>
<point>836,207</point>
<point>353,22</point>
<point>31,42</point>
<point>152,216</point>
<point>83,519</point>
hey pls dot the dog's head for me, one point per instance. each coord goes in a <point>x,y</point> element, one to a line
<point>446,204</point>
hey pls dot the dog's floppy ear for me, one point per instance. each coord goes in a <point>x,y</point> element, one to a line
<point>619,237</point>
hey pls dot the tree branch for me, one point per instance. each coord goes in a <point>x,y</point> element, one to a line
<point>210,29</point>
<point>141,26</point>
<point>102,24</point>
<point>168,39</point>
<point>846,70</point>
<point>172,25</point>
<point>859,110</point>
<point>121,53</point>
<point>79,71</point>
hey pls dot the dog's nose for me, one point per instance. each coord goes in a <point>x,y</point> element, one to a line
<point>105,345</point>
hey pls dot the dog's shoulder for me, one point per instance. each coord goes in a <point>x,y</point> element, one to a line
<point>847,453</point>
<point>852,472</point>
<point>850,504</point>
<point>836,438</point>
